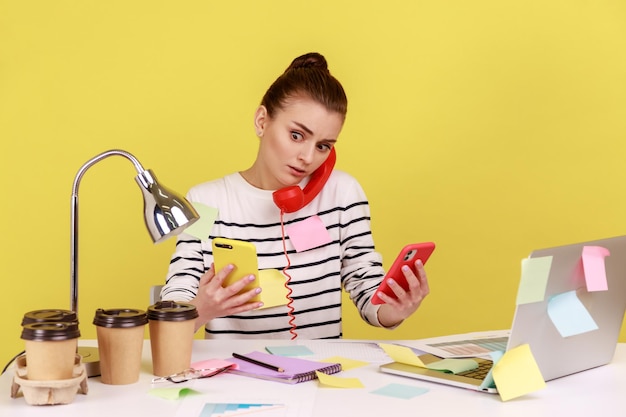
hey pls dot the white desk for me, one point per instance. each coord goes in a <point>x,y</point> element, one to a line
<point>600,391</point>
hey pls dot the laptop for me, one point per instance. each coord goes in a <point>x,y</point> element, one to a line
<point>556,356</point>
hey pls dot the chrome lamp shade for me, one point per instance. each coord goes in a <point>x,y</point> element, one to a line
<point>166,213</point>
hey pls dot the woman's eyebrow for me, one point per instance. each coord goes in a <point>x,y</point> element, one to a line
<point>303,127</point>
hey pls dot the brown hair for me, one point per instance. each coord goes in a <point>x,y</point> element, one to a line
<point>307,75</point>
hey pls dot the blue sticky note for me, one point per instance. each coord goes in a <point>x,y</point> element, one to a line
<point>297,350</point>
<point>400,391</point>
<point>488,382</point>
<point>569,315</point>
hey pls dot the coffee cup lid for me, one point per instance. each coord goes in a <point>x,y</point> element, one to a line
<point>172,311</point>
<point>50,331</point>
<point>120,317</point>
<point>50,316</point>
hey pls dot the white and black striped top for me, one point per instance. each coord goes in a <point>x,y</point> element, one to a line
<point>317,275</point>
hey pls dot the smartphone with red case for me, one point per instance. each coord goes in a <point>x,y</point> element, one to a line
<point>407,256</point>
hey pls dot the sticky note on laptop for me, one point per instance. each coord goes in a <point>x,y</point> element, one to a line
<point>405,355</point>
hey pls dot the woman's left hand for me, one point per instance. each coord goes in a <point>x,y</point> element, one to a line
<point>395,310</point>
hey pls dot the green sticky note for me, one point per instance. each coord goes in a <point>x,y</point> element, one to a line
<point>171,393</point>
<point>202,227</point>
<point>296,350</point>
<point>452,365</point>
<point>400,391</point>
<point>532,286</point>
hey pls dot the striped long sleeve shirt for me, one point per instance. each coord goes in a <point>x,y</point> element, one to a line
<point>348,261</point>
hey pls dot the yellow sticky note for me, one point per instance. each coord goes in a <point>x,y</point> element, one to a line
<point>338,382</point>
<point>272,283</point>
<point>402,354</point>
<point>346,363</point>
<point>517,373</point>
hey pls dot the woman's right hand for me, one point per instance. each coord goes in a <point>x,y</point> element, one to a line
<point>213,300</point>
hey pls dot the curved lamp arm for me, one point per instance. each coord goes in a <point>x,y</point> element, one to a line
<point>166,213</point>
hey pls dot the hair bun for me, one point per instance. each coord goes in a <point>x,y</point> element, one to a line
<point>310,60</point>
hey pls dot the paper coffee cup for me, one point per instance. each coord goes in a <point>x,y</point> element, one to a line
<point>120,343</point>
<point>50,350</point>
<point>50,316</point>
<point>172,326</point>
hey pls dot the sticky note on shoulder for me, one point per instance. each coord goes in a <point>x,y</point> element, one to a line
<point>202,227</point>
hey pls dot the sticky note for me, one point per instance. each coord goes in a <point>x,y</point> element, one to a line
<point>402,354</point>
<point>517,373</point>
<point>594,268</point>
<point>346,363</point>
<point>288,350</point>
<point>488,382</point>
<point>454,366</point>
<point>400,391</point>
<point>308,234</point>
<point>202,227</point>
<point>338,382</point>
<point>272,283</point>
<point>535,273</point>
<point>569,315</point>
<point>405,355</point>
<point>213,364</point>
<point>171,393</point>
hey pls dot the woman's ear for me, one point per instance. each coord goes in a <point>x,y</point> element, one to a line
<point>260,119</point>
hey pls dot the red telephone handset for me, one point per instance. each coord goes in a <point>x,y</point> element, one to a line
<point>291,199</point>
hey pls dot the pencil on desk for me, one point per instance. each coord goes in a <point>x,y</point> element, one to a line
<point>254,361</point>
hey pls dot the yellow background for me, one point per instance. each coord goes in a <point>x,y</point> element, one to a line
<point>492,127</point>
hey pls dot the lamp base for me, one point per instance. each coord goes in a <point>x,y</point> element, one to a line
<point>91,359</point>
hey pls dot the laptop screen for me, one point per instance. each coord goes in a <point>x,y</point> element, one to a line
<point>556,326</point>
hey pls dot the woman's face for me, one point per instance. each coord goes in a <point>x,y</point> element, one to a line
<point>294,142</point>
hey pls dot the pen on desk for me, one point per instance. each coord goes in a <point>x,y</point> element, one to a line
<point>254,361</point>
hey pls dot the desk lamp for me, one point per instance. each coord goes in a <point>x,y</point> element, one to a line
<point>166,214</point>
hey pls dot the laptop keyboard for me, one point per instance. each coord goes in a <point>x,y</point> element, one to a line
<point>484,366</point>
<point>473,346</point>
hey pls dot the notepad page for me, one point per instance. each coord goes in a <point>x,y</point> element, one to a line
<point>294,368</point>
<point>362,351</point>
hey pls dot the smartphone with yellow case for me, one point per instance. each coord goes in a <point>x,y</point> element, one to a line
<point>242,255</point>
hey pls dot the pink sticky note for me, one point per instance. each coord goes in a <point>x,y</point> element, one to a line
<point>213,364</point>
<point>307,234</point>
<point>593,265</point>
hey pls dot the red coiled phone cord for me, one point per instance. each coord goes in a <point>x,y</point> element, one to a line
<point>290,307</point>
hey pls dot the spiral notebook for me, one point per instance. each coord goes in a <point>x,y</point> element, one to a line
<point>295,369</point>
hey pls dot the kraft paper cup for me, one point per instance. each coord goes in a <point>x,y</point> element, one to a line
<point>50,316</point>
<point>172,326</point>
<point>50,350</point>
<point>120,343</point>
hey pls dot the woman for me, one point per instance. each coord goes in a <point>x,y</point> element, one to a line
<point>298,123</point>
